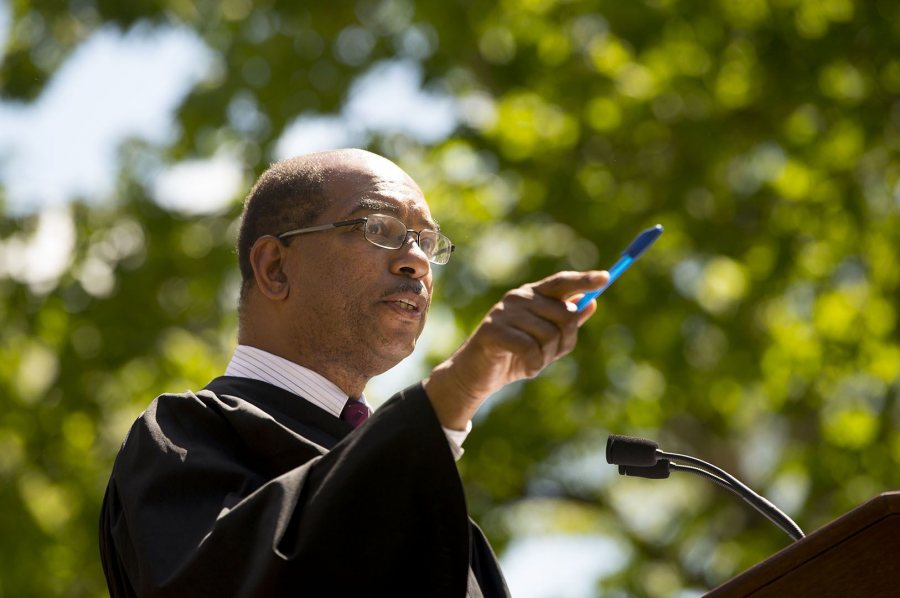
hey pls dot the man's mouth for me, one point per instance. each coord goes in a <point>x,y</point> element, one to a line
<point>408,300</point>
<point>407,305</point>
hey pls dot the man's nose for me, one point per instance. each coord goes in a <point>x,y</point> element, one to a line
<point>412,260</point>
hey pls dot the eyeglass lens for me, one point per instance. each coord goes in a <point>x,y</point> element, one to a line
<point>390,233</point>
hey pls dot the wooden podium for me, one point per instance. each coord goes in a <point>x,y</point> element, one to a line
<point>857,554</point>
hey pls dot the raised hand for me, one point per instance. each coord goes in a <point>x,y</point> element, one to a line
<point>527,330</point>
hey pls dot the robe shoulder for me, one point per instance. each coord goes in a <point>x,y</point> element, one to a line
<point>245,489</point>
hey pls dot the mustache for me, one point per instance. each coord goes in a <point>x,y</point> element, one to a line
<point>412,286</point>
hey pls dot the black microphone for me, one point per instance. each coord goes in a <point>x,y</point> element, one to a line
<point>658,471</point>
<point>642,458</point>
<point>630,451</point>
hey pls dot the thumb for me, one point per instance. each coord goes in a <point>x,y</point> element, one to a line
<point>588,310</point>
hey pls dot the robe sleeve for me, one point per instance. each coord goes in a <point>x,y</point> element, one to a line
<point>211,496</point>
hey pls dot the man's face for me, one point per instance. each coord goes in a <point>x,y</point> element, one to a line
<point>351,301</point>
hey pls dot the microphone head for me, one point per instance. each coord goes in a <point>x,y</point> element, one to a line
<point>658,471</point>
<point>626,450</point>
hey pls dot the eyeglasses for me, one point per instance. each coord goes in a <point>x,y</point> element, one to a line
<point>390,233</point>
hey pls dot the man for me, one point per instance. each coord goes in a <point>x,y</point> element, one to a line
<point>260,485</point>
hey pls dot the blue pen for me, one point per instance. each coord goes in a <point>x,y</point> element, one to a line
<point>629,256</point>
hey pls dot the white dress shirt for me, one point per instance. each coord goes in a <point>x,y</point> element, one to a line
<point>256,364</point>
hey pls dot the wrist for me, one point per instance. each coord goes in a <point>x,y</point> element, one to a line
<point>453,403</point>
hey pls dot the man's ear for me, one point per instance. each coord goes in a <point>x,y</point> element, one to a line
<point>267,258</point>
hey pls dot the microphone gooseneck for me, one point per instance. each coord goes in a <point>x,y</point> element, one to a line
<point>642,458</point>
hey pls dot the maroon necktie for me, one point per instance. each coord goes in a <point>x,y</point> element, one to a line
<point>355,412</point>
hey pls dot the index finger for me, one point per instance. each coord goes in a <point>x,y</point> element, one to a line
<point>565,284</point>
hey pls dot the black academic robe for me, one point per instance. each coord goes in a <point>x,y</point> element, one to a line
<point>244,489</point>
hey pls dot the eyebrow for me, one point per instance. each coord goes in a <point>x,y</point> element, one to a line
<point>376,205</point>
<point>367,203</point>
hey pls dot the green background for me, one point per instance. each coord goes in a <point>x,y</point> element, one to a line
<point>760,332</point>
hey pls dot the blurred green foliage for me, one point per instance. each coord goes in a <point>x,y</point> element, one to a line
<point>761,332</point>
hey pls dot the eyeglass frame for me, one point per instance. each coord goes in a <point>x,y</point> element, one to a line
<point>365,219</point>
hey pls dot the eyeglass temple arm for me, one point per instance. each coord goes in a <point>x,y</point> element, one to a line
<point>312,229</point>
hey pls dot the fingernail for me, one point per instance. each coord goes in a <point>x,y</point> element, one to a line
<point>571,307</point>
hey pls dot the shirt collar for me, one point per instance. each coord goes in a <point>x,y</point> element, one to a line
<point>256,364</point>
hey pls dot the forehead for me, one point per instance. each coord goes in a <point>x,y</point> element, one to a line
<point>394,193</point>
